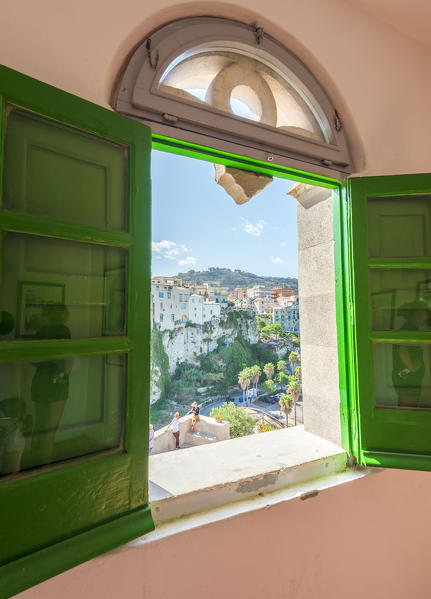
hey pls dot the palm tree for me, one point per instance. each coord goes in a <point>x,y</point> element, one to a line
<point>286,405</point>
<point>281,366</point>
<point>294,359</point>
<point>255,376</point>
<point>268,369</point>
<point>294,390</point>
<point>298,372</point>
<point>244,380</point>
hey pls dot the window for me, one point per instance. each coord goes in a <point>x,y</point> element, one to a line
<point>70,290</point>
<point>392,261</point>
<point>169,295</point>
<point>161,317</point>
<point>223,79</point>
<point>161,294</point>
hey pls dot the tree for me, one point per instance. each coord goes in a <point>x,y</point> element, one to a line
<point>244,380</point>
<point>281,366</point>
<point>268,369</point>
<point>273,330</point>
<point>294,387</point>
<point>286,405</point>
<point>282,378</point>
<point>255,375</point>
<point>240,422</point>
<point>294,390</point>
<point>269,386</point>
<point>298,373</point>
<point>294,359</point>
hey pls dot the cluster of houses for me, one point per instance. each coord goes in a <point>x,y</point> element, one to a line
<point>175,302</point>
<point>281,302</point>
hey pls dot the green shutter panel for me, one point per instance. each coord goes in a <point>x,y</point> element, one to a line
<point>391,241</point>
<point>74,331</point>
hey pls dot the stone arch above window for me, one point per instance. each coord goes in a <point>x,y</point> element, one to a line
<point>212,80</point>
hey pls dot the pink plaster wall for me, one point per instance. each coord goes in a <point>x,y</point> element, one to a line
<point>377,76</point>
<point>364,539</point>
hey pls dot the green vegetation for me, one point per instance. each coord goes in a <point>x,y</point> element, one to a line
<point>282,378</point>
<point>273,331</point>
<point>268,369</point>
<point>265,428</point>
<point>160,359</point>
<point>269,386</point>
<point>240,422</point>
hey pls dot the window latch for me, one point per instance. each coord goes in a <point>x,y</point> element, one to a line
<point>171,118</point>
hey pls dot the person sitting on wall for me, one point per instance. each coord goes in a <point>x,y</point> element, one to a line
<point>195,412</point>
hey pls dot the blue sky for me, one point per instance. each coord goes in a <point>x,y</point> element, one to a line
<point>196,224</point>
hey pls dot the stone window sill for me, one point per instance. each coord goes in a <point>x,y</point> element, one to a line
<point>256,468</point>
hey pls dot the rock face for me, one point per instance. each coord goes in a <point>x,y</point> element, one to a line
<point>187,342</point>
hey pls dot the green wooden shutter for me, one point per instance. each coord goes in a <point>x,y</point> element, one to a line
<point>391,248</point>
<point>74,330</point>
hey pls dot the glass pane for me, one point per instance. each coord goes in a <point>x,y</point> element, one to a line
<point>402,375</point>
<point>53,410</point>
<point>249,84</point>
<point>56,289</point>
<point>399,227</point>
<point>400,299</point>
<point>55,171</point>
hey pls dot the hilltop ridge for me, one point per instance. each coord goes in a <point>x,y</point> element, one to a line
<point>234,278</point>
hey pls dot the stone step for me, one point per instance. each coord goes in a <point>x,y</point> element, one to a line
<point>199,438</point>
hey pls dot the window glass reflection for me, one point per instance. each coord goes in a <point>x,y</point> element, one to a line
<point>52,410</point>
<point>399,227</point>
<point>56,171</point>
<point>56,289</point>
<point>400,299</point>
<point>402,375</point>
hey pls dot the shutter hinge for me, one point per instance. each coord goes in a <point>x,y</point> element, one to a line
<point>258,32</point>
<point>153,63</point>
<point>337,121</point>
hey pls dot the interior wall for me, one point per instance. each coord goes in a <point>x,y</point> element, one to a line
<point>377,77</point>
<point>367,538</point>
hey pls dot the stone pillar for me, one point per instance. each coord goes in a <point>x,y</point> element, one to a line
<point>316,286</point>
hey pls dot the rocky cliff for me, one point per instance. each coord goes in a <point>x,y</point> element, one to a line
<point>186,342</point>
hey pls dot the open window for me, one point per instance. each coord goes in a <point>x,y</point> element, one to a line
<point>74,348</point>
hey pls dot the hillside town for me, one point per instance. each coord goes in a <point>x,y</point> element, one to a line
<point>175,302</point>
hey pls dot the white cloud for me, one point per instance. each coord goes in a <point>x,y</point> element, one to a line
<point>188,261</point>
<point>277,260</point>
<point>283,244</point>
<point>252,229</point>
<point>168,249</point>
<point>161,246</point>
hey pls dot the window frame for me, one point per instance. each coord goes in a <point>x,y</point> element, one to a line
<point>66,544</point>
<point>168,116</point>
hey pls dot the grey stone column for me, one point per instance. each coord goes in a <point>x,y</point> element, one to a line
<point>316,285</point>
